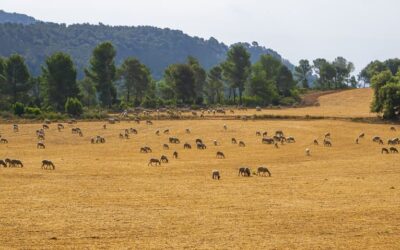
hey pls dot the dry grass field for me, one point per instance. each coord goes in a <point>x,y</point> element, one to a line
<point>106,196</point>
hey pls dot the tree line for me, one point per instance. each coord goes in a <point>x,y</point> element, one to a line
<point>236,81</point>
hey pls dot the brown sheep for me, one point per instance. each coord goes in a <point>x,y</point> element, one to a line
<point>220,155</point>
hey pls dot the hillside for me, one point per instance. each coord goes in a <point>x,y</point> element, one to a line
<point>6,17</point>
<point>155,47</point>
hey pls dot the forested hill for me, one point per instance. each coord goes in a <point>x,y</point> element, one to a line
<point>157,48</point>
<point>6,17</point>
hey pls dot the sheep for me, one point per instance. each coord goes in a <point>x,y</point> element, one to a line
<point>215,175</point>
<point>384,150</point>
<point>175,155</point>
<point>164,159</point>
<point>234,141</point>
<point>242,144</point>
<point>220,155</point>
<point>263,171</point>
<point>225,127</point>
<point>316,142</point>
<point>46,164</point>
<point>41,145</point>
<point>165,146</point>
<point>308,152</point>
<point>244,171</point>
<point>154,161</point>
<point>393,150</point>
<point>187,146</point>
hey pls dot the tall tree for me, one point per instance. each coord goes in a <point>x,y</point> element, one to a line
<point>102,72</point>
<point>200,76</point>
<point>215,85</point>
<point>373,68</point>
<point>87,92</point>
<point>284,81</point>
<point>16,78</point>
<point>59,76</point>
<point>343,68</point>
<point>237,69</point>
<point>263,79</point>
<point>302,73</point>
<point>181,78</point>
<point>326,73</point>
<point>393,65</point>
<point>136,78</point>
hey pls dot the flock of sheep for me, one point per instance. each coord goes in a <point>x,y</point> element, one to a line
<point>278,138</point>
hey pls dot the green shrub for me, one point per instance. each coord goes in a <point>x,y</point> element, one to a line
<point>288,101</point>
<point>73,107</point>
<point>33,111</point>
<point>149,102</point>
<point>19,109</point>
<point>252,101</point>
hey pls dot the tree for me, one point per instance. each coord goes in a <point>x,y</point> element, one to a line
<point>87,92</point>
<point>390,97</point>
<point>284,81</point>
<point>136,78</point>
<point>393,65</point>
<point>343,70</point>
<point>302,73</point>
<point>16,78</point>
<point>263,79</point>
<point>59,76</point>
<point>181,78</point>
<point>326,73</point>
<point>237,69</point>
<point>378,81</point>
<point>102,72</point>
<point>373,68</point>
<point>200,76</point>
<point>214,86</point>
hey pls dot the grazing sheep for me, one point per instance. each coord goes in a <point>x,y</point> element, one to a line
<point>215,143</point>
<point>327,143</point>
<point>201,146</point>
<point>164,159</point>
<point>41,137</point>
<point>394,150</point>
<point>361,135</point>
<point>308,152</point>
<point>15,128</point>
<point>46,164</point>
<point>148,122</point>
<point>121,136</point>
<point>104,126</point>
<point>3,163</point>
<point>376,139</point>
<point>244,171</point>
<point>215,175</point>
<point>41,145</point>
<point>279,133</point>
<point>316,142</point>
<point>165,146</point>
<point>14,163</point>
<point>158,132</point>
<point>166,132</point>
<point>234,141</point>
<point>242,144</point>
<point>3,140</point>
<point>384,150</point>
<point>381,142</point>
<point>199,141</point>
<point>154,161</point>
<point>267,141</point>
<point>174,140</point>
<point>290,139</point>
<point>328,135</point>
<point>261,171</point>
<point>133,131</point>
<point>188,131</point>
<point>145,150</point>
<point>45,126</point>
<point>175,155</point>
<point>258,133</point>
<point>276,145</point>
<point>187,146</point>
<point>357,142</point>
<point>225,127</point>
<point>220,155</point>
<point>392,128</point>
<point>265,134</point>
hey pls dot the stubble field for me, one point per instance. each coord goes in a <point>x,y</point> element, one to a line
<point>105,195</point>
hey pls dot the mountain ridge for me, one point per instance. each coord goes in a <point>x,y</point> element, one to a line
<point>155,47</point>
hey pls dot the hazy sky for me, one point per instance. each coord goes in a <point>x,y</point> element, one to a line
<point>360,30</point>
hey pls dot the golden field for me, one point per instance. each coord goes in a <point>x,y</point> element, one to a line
<point>105,195</point>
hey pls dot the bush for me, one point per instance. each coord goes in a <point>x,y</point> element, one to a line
<point>91,114</point>
<point>33,111</point>
<point>19,109</point>
<point>287,101</point>
<point>73,107</point>
<point>252,101</point>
